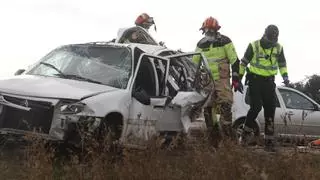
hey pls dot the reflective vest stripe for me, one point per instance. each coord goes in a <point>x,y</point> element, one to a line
<point>257,65</point>
<point>257,62</point>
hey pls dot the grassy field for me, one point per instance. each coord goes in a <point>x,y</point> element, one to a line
<point>196,160</point>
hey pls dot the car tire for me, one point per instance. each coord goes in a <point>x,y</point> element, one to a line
<point>238,127</point>
<point>109,129</point>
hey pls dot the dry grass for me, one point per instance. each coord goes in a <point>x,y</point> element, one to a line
<point>188,160</point>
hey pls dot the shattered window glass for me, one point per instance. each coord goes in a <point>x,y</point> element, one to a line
<point>103,64</point>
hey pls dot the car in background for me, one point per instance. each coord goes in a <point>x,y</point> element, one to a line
<point>296,116</point>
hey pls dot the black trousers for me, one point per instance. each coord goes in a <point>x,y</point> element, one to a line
<point>262,94</point>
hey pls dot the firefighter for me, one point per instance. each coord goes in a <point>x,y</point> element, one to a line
<point>220,54</point>
<point>145,21</point>
<point>265,57</point>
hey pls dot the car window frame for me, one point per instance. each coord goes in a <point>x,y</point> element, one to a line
<point>155,73</point>
<point>299,94</point>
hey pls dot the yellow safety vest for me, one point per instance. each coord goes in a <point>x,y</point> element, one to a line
<point>216,56</point>
<point>265,61</point>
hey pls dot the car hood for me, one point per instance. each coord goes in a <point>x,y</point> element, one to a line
<point>51,87</point>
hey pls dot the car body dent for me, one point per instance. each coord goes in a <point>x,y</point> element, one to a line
<point>105,103</point>
<point>185,100</point>
<point>97,107</point>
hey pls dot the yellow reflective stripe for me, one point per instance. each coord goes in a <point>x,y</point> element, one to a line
<point>260,64</point>
<point>283,70</point>
<point>262,72</point>
<point>231,52</point>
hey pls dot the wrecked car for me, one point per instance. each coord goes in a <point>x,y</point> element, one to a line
<point>136,90</point>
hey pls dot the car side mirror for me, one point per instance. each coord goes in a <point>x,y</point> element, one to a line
<point>19,72</point>
<point>158,101</point>
<point>316,107</point>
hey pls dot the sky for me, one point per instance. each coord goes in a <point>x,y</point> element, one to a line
<point>31,28</point>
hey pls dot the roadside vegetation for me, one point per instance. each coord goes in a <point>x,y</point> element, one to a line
<point>178,160</point>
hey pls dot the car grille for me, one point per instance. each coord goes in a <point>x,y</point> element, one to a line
<point>39,117</point>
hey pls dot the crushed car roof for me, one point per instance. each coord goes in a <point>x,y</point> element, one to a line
<point>150,49</point>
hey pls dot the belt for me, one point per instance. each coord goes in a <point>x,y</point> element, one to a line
<point>265,78</point>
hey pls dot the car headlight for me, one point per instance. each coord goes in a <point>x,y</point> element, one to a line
<point>74,108</point>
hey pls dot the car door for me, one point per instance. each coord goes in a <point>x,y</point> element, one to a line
<point>190,86</point>
<point>278,123</point>
<point>189,76</point>
<point>148,112</point>
<point>302,112</point>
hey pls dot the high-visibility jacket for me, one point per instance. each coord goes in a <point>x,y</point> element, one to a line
<point>220,53</point>
<point>264,62</point>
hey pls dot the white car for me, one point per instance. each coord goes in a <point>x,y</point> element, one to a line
<point>297,115</point>
<point>138,90</point>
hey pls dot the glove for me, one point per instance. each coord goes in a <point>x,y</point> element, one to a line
<point>237,84</point>
<point>286,81</point>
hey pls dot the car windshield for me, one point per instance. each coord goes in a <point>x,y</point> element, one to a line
<point>97,64</point>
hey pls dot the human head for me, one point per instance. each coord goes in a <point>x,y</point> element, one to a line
<point>271,34</point>
<point>145,21</point>
<point>210,26</point>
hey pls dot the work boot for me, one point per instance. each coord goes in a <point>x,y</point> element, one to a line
<point>269,146</point>
<point>246,136</point>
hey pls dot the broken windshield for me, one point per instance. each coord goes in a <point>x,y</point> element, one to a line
<point>101,64</point>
